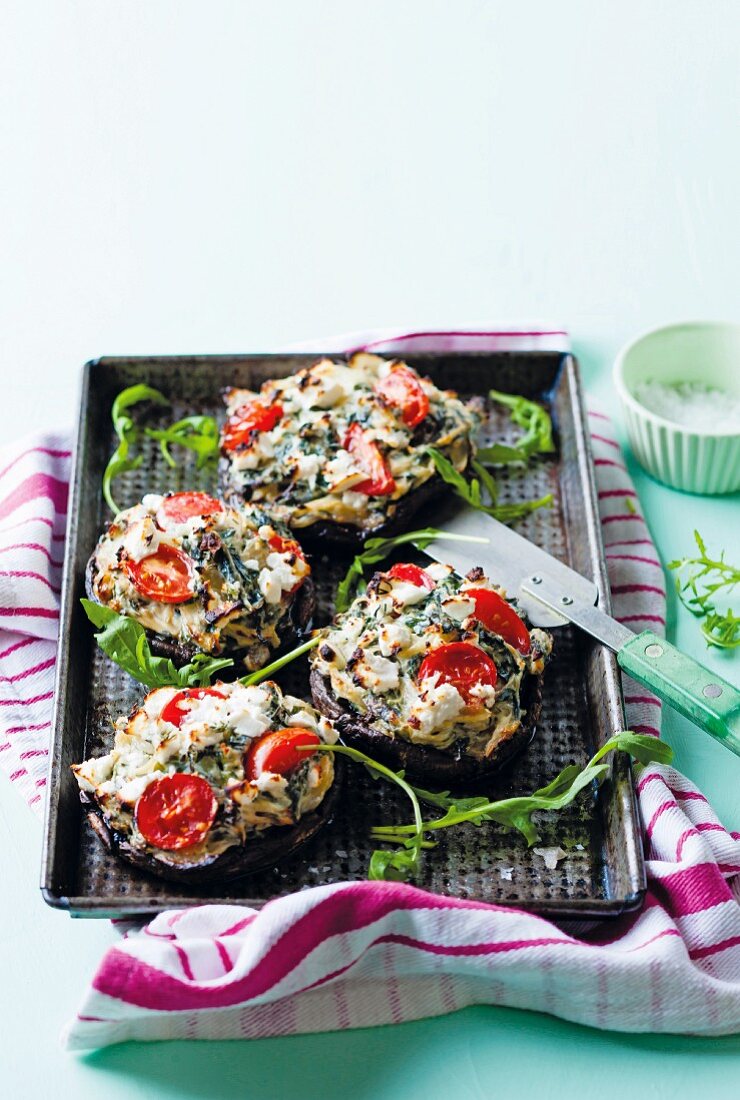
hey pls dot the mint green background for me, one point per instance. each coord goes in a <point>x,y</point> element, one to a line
<point>182,176</point>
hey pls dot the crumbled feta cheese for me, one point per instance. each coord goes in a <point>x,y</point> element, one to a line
<point>152,501</point>
<point>551,856</point>
<point>458,609</point>
<point>437,571</point>
<point>141,539</point>
<point>393,637</point>
<point>307,468</point>
<point>130,791</point>
<point>377,673</point>
<point>485,692</point>
<point>405,594</point>
<point>438,704</point>
<point>277,577</point>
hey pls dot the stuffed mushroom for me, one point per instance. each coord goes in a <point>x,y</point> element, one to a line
<point>208,784</point>
<point>340,450</point>
<point>200,576</point>
<point>432,673</point>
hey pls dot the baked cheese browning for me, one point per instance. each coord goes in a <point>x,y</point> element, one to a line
<point>209,739</point>
<point>433,659</point>
<point>200,573</point>
<point>343,442</point>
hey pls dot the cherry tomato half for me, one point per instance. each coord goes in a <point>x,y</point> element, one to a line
<point>177,707</point>
<point>166,575</point>
<point>182,506</point>
<point>239,429</point>
<point>461,664</point>
<point>499,617</point>
<point>405,571</point>
<point>380,481</point>
<point>278,752</point>
<point>402,389</point>
<point>286,546</point>
<point>176,811</point>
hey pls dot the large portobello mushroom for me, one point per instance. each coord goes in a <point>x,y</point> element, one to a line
<point>432,673</point>
<point>339,451</point>
<point>201,576</point>
<point>210,784</point>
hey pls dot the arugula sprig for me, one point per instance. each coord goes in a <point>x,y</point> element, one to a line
<point>377,550</point>
<point>197,433</point>
<point>127,432</point>
<point>125,642</point>
<point>471,491</point>
<point>263,673</point>
<point>537,438</point>
<point>516,813</point>
<point>699,580</point>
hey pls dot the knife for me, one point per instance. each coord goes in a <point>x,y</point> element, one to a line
<point>552,594</point>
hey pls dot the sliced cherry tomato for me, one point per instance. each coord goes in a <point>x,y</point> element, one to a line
<point>405,571</point>
<point>181,506</point>
<point>499,617</point>
<point>461,664</point>
<point>177,707</point>
<point>241,426</point>
<point>278,752</point>
<point>166,575</point>
<point>380,481</point>
<point>286,546</point>
<point>402,389</point>
<point>176,811</point>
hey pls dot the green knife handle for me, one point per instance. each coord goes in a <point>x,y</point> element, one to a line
<point>693,690</point>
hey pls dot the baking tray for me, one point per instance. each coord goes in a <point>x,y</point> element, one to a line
<point>603,872</point>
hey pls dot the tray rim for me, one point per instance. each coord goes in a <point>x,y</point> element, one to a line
<point>621,774</point>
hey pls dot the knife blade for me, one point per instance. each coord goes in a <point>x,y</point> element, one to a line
<point>552,594</point>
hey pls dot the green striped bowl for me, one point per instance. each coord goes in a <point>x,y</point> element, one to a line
<point>697,461</point>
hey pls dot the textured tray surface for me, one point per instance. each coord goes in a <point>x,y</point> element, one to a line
<point>602,871</point>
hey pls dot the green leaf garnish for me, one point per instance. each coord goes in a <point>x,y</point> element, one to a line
<point>537,438</point>
<point>471,490</point>
<point>515,813</point>
<point>263,673</point>
<point>125,642</point>
<point>698,582</point>
<point>197,433</point>
<point>377,550</point>
<point>402,863</point>
<point>127,432</point>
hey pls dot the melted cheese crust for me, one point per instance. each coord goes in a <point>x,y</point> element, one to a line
<point>244,588</point>
<point>372,653</point>
<point>211,742</point>
<point>301,470</point>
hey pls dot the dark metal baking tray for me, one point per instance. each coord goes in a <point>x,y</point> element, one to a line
<point>603,871</point>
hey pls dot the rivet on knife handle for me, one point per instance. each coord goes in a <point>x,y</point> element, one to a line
<point>693,690</point>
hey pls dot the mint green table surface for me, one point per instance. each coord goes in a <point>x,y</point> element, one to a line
<point>181,176</point>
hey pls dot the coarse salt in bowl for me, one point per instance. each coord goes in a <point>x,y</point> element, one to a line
<point>680,392</point>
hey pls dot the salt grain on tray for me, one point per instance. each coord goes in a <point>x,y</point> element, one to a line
<point>691,404</point>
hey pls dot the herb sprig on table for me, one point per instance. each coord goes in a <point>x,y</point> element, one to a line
<point>537,439</point>
<point>404,861</point>
<point>699,581</point>
<point>196,433</point>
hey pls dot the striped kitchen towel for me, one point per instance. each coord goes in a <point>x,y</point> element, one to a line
<point>360,954</point>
